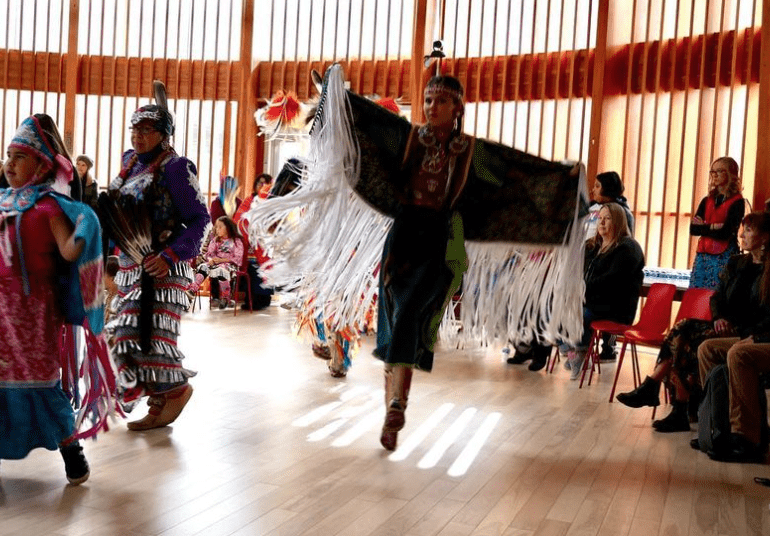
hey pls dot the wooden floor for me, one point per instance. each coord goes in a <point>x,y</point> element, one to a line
<point>271,444</point>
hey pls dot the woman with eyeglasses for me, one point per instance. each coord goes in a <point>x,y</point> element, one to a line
<point>716,222</point>
<point>152,289</point>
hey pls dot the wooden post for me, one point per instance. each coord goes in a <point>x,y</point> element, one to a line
<point>762,173</point>
<point>246,132</point>
<point>72,73</point>
<point>418,53</point>
<point>597,91</point>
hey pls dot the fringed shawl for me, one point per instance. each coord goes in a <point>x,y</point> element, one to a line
<point>522,217</point>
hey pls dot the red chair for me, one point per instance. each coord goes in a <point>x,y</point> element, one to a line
<point>696,303</point>
<point>242,272</point>
<point>655,317</point>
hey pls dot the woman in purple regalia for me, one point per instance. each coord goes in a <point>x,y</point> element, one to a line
<point>153,291</point>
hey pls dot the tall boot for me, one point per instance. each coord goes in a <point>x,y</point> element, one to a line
<point>644,395</point>
<point>676,421</point>
<point>398,381</point>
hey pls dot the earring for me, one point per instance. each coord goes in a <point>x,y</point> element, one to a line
<point>165,144</point>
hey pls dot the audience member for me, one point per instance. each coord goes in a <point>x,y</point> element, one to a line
<point>607,188</point>
<point>747,352</point>
<point>716,222</point>
<point>88,185</point>
<point>613,273</point>
<point>223,259</point>
<point>261,294</point>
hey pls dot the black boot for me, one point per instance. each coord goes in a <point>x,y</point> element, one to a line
<point>644,395</point>
<point>75,464</point>
<point>520,356</point>
<point>676,421</point>
<point>540,355</point>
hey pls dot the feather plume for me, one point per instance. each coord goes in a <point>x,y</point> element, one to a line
<point>228,194</point>
<point>159,90</point>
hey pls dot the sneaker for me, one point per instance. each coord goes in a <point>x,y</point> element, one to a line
<point>75,464</point>
<point>568,358</point>
<point>231,303</point>
<point>222,304</point>
<point>213,303</point>
<point>576,366</point>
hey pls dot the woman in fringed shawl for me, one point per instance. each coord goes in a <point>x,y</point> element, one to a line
<point>424,256</point>
<point>423,193</point>
<point>149,362</point>
<point>41,232</point>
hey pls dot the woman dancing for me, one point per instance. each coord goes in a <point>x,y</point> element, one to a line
<point>146,354</point>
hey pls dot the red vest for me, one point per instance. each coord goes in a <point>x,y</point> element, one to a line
<point>714,214</point>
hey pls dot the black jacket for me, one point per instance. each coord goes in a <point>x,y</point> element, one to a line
<point>738,300</point>
<point>613,280</point>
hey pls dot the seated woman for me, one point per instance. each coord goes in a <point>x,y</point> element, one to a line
<point>734,311</point>
<point>613,273</point>
<point>747,353</point>
<point>223,258</point>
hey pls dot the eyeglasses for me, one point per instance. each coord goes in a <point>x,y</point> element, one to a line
<point>715,172</point>
<point>143,130</point>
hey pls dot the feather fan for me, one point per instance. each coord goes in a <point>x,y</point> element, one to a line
<point>128,222</point>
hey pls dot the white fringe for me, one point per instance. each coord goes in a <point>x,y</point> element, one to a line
<point>328,241</point>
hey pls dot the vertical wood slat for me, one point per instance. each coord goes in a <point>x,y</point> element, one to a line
<point>762,187</point>
<point>697,172</point>
<point>571,70</point>
<point>530,75</point>
<point>6,69</point>
<point>664,213</point>
<point>717,74</point>
<point>685,105</point>
<point>584,84</point>
<point>653,145</point>
<point>72,78</point>
<point>556,83</point>
<point>543,67</point>
<point>643,79</point>
<point>749,40</point>
<point>597,90</point>
<point>625,166</point>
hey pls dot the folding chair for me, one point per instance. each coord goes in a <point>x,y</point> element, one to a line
<point>655,316</point>
<point>696,303</point>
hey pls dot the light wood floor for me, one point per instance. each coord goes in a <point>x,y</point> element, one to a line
<point>271,444</point>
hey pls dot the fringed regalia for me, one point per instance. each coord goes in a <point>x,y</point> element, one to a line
<point>148,318</point>
<point>41,298</point>
<point>519,217</point>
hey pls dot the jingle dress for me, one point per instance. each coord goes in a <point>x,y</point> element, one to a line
<point>169,183</point>
<point>34,410</point>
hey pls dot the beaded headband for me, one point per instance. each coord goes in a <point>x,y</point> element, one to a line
<point>439,89</point>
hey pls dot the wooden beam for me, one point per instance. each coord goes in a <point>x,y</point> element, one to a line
<point>71,78</point>
<point>245,153</point>
<point>597,90</point>
<point>418,53</point>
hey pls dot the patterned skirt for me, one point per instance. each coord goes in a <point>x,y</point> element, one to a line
<point>707,267</point>
<point>34,411</point>
<point>160,368</point>
<point>681,348</point>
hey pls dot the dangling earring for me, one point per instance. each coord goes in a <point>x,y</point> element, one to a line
<point>165,144</point>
